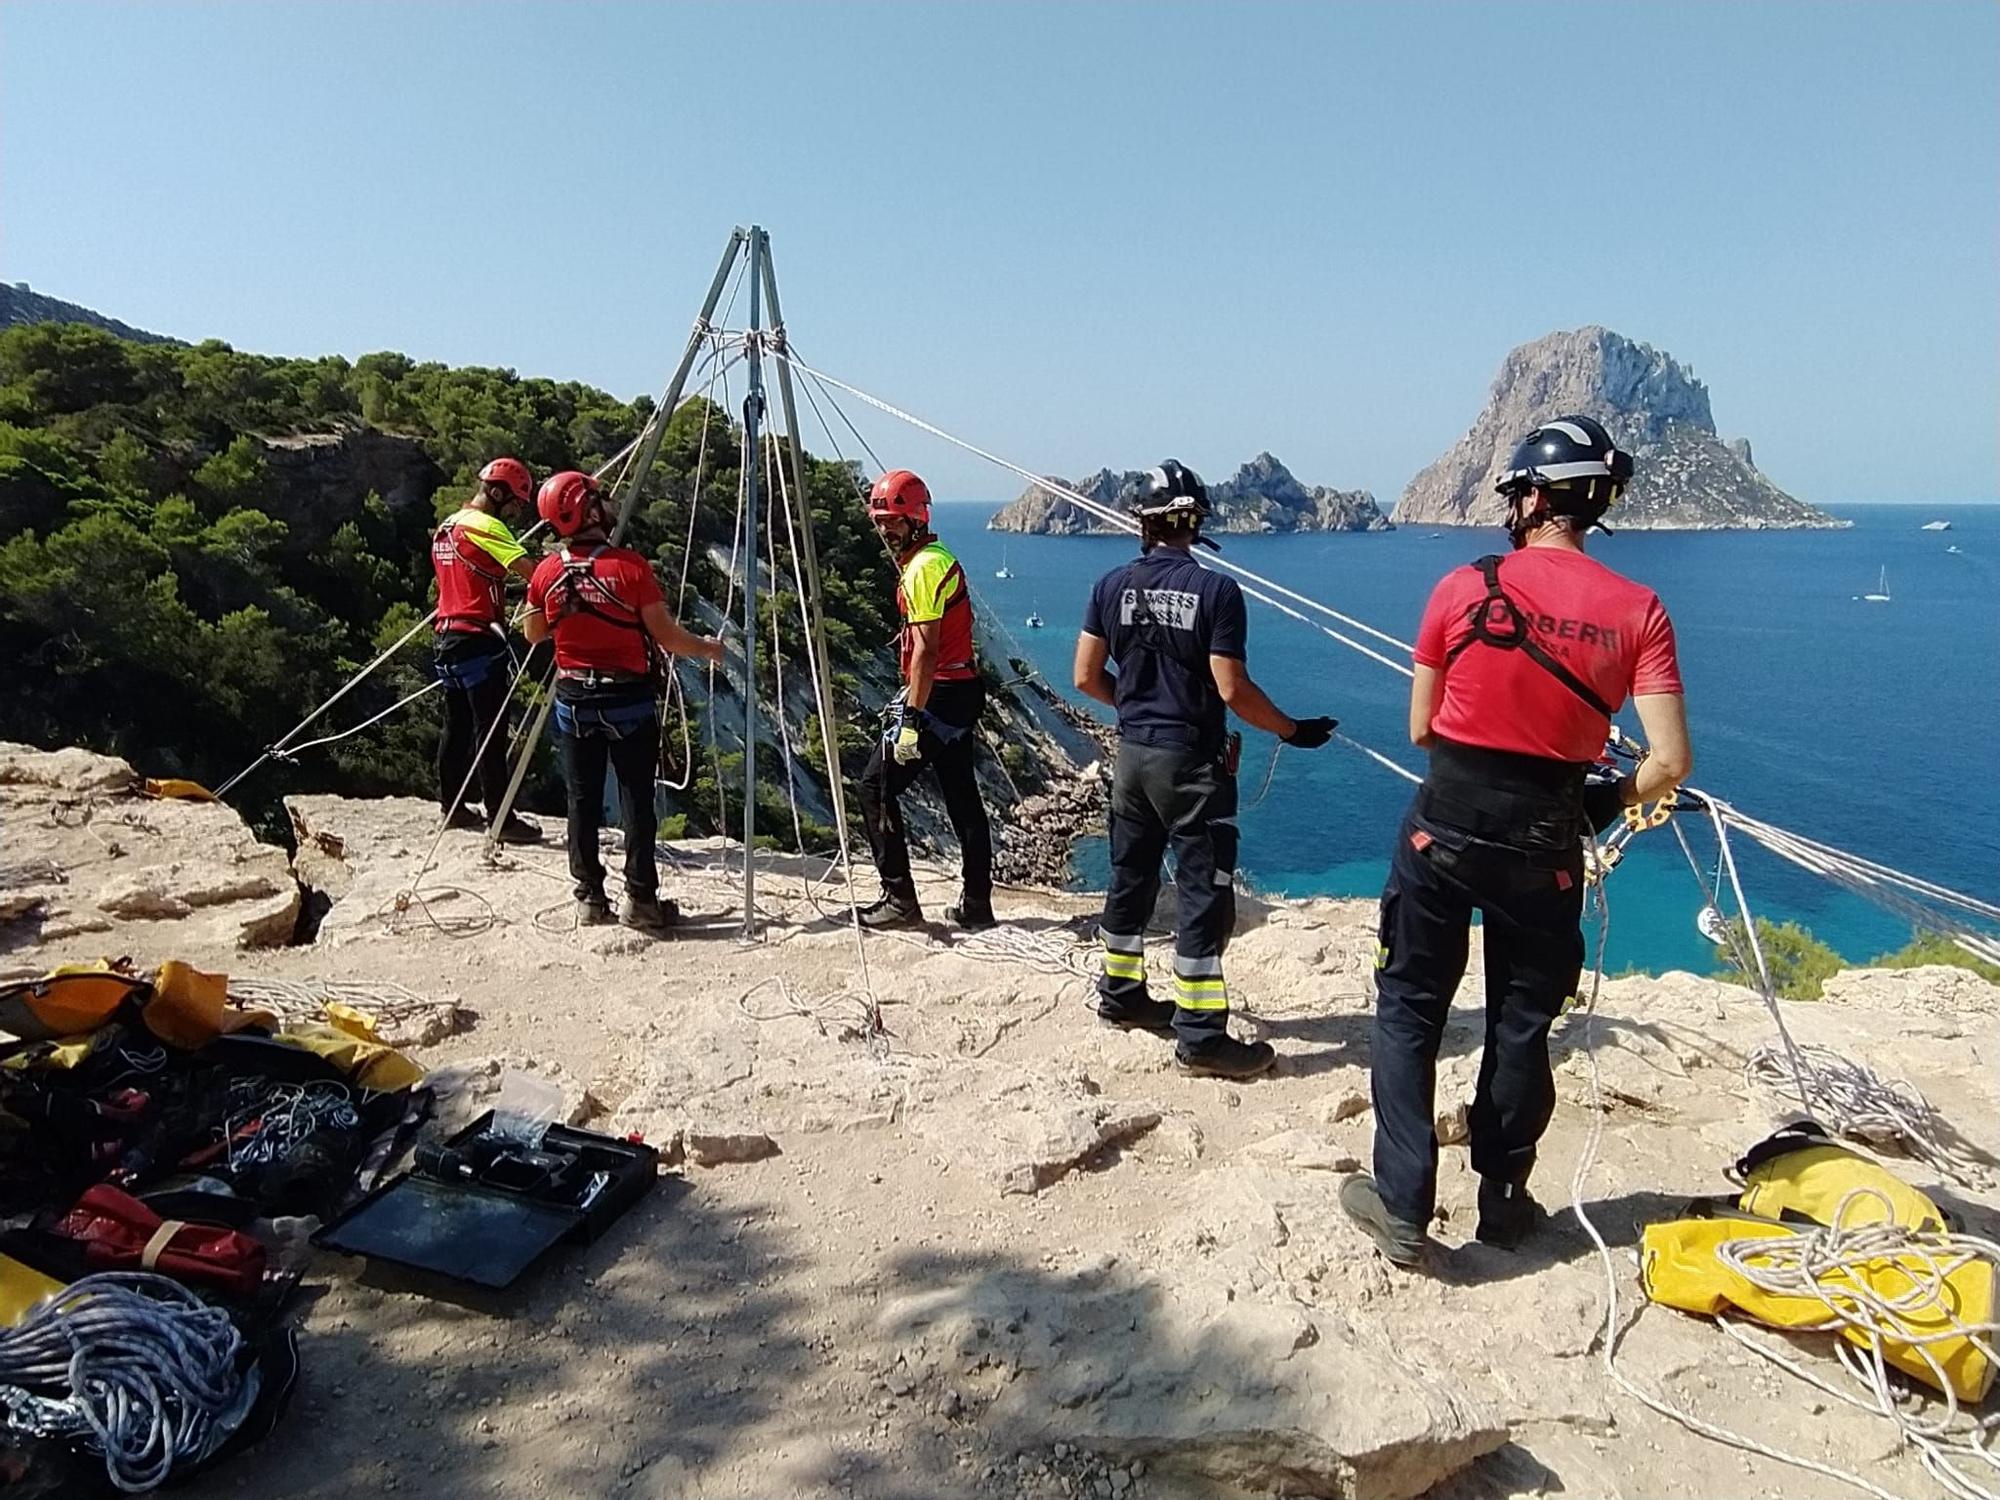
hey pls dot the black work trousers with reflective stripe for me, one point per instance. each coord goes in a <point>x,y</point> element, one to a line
<point>955,763</point>
<point>634,757</point>
<point>1532,906</point>
<point>1170,797</point>
<point>468,714</point>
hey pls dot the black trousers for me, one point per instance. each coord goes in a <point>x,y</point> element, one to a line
<point>954,763</point>
<point>1168,797</point>
<point>632,751</point>
<point>1532,905</point>
<point>468,714</point>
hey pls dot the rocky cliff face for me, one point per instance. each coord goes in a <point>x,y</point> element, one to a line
<point>1261,496</point>
<point>323,479</point>
<point>1687,477</point>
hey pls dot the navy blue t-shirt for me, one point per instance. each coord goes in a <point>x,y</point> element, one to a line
<point>1163,615</point>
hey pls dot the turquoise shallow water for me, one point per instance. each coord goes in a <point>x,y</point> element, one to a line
<point>1870,726</point>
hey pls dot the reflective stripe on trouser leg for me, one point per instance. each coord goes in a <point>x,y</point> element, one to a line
<point>1198,984</point>
<point>1124,956</point>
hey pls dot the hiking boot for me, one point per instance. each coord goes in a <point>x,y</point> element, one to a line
<point>1142,1014</point>
<point>1508,1213</point>
<point>463,817</point>
<point>1401,1243</point>
<point>971,916</point>
<point>1225,1057</point>
<point>649,913</point>
<point>592,911</point>
<point>517,830</point>
<point>890,911</point>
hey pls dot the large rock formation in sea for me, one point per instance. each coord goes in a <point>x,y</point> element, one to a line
<point>1687,477</point>
<point>1261,496</point>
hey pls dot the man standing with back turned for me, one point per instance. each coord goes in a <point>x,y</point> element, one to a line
<point>472,552</point>
<point>934,722</point>
<point>1176,632</point>
<point>1520,663</point>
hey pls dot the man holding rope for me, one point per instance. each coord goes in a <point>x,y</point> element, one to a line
<point>1520,663</point>
<point>1176,632</point>
<point>472,552</point>
<point>611,627</point>
<point>933,722</point>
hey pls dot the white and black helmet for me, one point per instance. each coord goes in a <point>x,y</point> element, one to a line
<point>1573,461</point>
<point>1173,486</point>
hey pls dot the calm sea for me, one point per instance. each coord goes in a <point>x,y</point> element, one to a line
<point>1869,726</point>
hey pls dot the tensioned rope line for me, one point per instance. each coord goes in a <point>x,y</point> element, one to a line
<point>1126,523</point>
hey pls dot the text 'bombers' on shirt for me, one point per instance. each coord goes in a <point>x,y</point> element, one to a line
<point>1610,632</point>
<point>1163,616</point>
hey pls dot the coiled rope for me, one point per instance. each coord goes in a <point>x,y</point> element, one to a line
<point>136,1365</point>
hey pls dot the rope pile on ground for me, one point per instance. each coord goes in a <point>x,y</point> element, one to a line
<point>139,1363</point>
<point>1832,1264</point>
<point>1854,1101</point>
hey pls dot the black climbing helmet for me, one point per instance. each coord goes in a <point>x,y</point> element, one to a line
<point>1172,487</point>
<point>1572,461</point>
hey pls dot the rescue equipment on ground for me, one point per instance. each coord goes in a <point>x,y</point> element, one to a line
<point>1824,1239</point>
<point>492,1201</point>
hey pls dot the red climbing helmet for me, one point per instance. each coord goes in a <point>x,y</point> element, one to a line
<point>566,501</point>
<point>512,475</point>
<point>900,493</point>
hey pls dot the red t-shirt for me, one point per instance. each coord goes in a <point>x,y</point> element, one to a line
<point>471,553</point>
<point>614,581</point>
<point>1612,633</point>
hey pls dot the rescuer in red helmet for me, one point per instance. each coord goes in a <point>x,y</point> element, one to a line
<point>472,552</point>
<point>612,633</point>
<point>933,722</point>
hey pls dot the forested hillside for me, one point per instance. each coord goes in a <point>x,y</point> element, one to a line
<point>198,546</point>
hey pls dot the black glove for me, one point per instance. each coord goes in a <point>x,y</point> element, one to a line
<point>1603,805</point>
<point>1310,734</point>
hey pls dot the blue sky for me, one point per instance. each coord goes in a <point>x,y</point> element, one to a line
<point>1076,234</point>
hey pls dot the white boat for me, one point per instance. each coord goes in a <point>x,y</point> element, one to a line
<point>1954,547</point>
<point>1034,621</point>
<point>1003,571</point>
<point>1881,594</point>
<point>1937,526</point>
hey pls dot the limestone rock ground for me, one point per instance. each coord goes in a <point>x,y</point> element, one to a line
<point>1003,1251</point>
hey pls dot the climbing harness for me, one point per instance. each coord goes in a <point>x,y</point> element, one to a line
<point>1519,636</point>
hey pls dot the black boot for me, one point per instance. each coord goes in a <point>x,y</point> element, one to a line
<point>1141,1014</point>
<point>971,915</point>
<point>1508,1214</point>
<point>892,910</point>
<point>516,830</point>
<point>592,911</point>
<point>1224,1057</point>
<point>649,913</point>
<point>1403,1243</point>
<point>463,817</point>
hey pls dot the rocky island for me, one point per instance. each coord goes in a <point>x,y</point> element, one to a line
<point>1262,496</point>
<point>1688,478</point>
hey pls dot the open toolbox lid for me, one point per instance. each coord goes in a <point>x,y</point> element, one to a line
<point>467,1229</point>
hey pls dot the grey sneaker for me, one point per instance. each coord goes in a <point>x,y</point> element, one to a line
<point>1403,1244</point>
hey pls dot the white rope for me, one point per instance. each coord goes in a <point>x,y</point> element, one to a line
<point>136,1366</point>
<point>1612,1334</point>
<point>1835,1265</point>
<point>1856,1102</point>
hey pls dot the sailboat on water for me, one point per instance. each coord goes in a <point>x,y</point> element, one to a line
<point>1003,571</point>
<point>1881,594</point>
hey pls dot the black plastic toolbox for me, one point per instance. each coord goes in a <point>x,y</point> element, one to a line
<point>471,1231</point>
